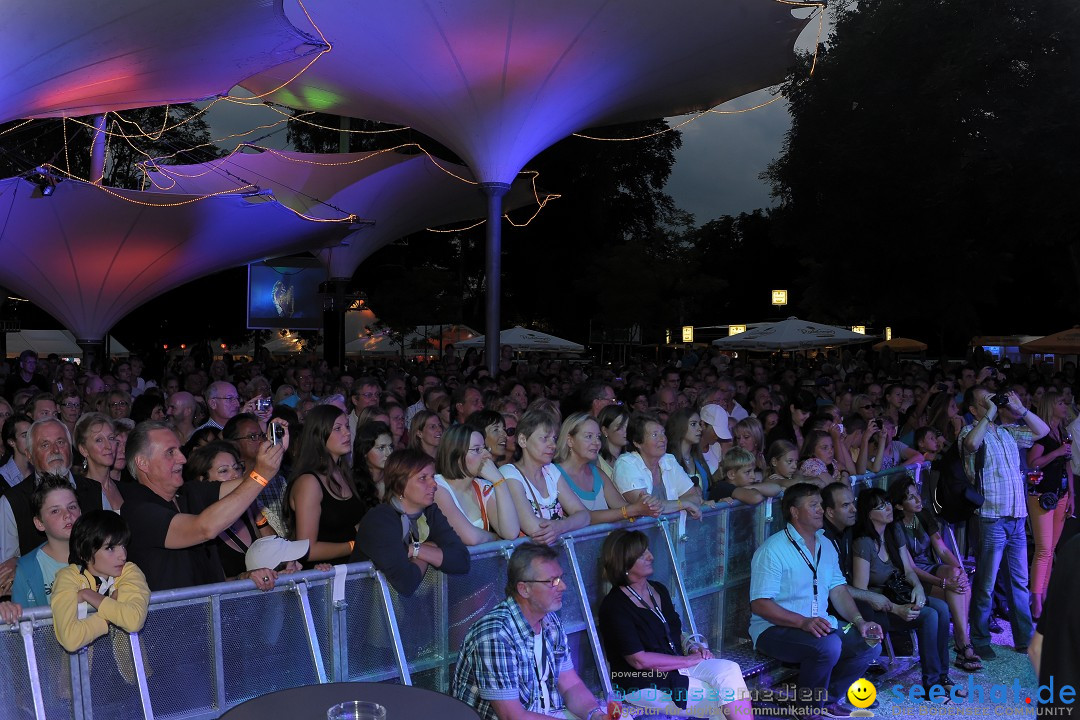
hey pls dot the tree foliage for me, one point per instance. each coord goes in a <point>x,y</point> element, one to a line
<point>170,135</point>
<point>929,176</point>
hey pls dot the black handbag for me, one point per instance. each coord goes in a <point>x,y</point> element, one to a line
<point>897,589</point>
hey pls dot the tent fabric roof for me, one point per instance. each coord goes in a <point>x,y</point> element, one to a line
<point>400,193</point>
<point>92,56</point>
<point>89,255</point>
<point>790,334</point>
<point>524,339</point>
<point>497,81</point>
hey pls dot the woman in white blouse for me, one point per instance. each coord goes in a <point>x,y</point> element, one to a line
<point>546,506</point>
<point>650,470</point>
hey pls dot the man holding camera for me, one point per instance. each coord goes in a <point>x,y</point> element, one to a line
<point>992,462</point>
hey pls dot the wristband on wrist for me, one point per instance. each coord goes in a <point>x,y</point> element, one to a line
<point>856,620</point>
<point>593,712</point>
<point>624,513</point>
<point>259,478</point>
<point>497,483</point>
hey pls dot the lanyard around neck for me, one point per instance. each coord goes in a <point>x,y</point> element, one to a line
<point>655,610</point>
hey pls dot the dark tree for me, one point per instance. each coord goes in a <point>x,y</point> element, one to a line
<point>171,135</point>
<point>929,178</point>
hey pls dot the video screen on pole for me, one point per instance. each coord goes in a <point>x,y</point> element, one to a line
<point>283,293</point>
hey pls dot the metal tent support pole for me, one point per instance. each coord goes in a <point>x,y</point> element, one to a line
<point>493,267</point>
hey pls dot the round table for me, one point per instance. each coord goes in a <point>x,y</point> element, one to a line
<point>310,702</point>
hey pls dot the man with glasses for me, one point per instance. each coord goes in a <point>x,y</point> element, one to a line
<point>597,397</point>
<point>223,403</point>
<point>515,661</point>
<point>305,381</point>
<point>245,433</point>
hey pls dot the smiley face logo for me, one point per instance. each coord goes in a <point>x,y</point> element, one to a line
<point>862,693</point>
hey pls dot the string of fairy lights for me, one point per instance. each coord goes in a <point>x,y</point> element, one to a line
<point>155,168</point>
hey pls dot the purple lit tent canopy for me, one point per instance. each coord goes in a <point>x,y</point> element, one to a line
<point>399,193</point>
<point>497,81</point>
<point>90,255</point>
<point>396,194</point>
<point>92,56</point>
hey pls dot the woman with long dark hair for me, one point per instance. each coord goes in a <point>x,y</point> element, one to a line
<point>321,497</point>
<point>793,426</point>
<point>880,559</point>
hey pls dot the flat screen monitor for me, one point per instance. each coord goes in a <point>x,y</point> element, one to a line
<point>283,293</point>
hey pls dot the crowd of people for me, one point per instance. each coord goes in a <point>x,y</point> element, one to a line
<point>115,485</point>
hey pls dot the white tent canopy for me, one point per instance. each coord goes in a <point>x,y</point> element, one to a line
<point>530,340</point>
<point>61,342</point>
<point>790,334</point>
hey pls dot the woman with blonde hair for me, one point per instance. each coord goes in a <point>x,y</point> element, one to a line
<point>575,459</point>
<point>1050,500</point>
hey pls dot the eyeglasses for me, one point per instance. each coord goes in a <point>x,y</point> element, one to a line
<point>550,582</point>
<point>369,395</point>
<point>70,405</point>
<point>227,398</point>
<point>253,437</point>
<point>116,404</point>
<point>478,450</point>
<point>883,505</point>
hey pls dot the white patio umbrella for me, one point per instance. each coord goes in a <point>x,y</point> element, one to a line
<point>790,334</point>
<point>524,339</point>
<point>61,342</point>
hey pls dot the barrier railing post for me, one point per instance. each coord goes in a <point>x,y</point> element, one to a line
<point>26,629</point>
<point>82,697</point>
<point>309,629</point>
<point>444,637</point>
<point>140,675</point>
<point>218,653</point>
<point>586,611</point>
<point>395,631</point>
<point>676,563</point>
<point>336,607</point>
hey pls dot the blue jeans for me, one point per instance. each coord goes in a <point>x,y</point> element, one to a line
<point>829,663</point>
<point>1001,540</point>
<point>932,629</point>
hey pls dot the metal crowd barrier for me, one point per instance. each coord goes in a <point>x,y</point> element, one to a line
<point>206,649</point>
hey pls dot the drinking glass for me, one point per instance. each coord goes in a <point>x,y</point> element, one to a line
<point>356,710</point>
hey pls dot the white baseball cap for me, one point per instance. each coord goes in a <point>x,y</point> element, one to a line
<point>717,418</point>
<point>269,552</point>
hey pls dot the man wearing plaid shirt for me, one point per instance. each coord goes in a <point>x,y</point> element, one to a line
<point>515,662</point>
<point>1002,517</point>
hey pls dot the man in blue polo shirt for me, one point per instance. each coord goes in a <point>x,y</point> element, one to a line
<point>795,574</point>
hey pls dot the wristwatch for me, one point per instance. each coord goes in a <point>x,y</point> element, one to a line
<point>415,549</point>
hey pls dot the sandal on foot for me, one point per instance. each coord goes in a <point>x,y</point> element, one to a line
<point>966,659</point>
<point>949,684</point>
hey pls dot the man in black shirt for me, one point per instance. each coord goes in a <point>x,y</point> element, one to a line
<point>839,504</point>
<point>25,377</point>
<point>173,525</point>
